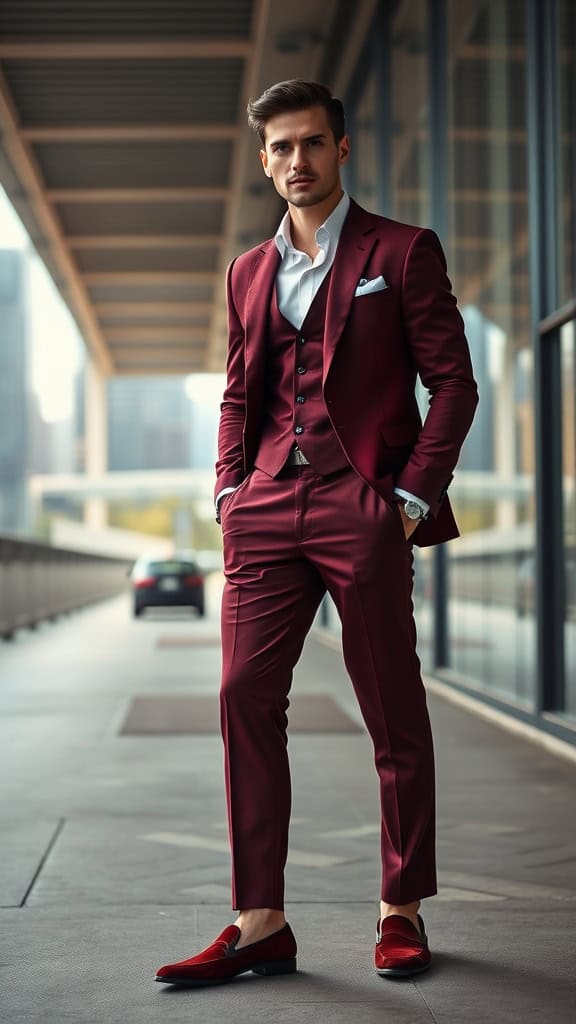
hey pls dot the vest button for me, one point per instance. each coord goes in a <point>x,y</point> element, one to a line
<point>299,430</point>
<point>300,339</point>
<point>300,399</point>
<point>301,369</point>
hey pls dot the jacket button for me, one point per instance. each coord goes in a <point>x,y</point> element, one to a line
<point>299,430</point>
<point>301,369</point>
<point>300,339</point>
<point>300,399</point>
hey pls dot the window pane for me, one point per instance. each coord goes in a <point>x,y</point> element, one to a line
<point>568,349</point>
<point>567,225</point>
<point>410,204</point>
<point>410,114</point>
<point>364,148</point>
<point>492,634</point>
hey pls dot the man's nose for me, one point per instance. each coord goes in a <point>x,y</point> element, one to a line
<point>298,159</point>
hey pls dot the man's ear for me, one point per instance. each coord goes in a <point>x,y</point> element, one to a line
<point>343,149</point>
<point>264,159</point>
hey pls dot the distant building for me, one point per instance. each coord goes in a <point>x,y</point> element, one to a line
<point>14,393</point>
<point>148,423</point>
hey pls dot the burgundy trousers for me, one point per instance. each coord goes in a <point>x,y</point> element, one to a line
<point>286,541</point>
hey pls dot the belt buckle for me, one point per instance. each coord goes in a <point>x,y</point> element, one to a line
<point>296,457</point>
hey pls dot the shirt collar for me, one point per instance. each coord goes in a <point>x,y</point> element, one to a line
<point>330,230</point>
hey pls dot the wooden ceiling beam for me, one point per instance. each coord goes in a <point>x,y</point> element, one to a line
<point>130,132</point>
<point>136,195</point>
<point>154,332</point>
<point>469,195</point>
<point>158,357</point>
<point>26,167</point>
<point>251,86</point>
<point>128,309</point>
<point>131,349</point>
<point>150,277</point>
<point>125,49</point>
<point>150,353</point>
<point>176,369</point>
<point>143,241</point>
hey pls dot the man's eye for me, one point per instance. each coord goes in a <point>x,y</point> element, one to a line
<point>281,148</point>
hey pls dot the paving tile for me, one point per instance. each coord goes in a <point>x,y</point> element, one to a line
<point>25,844</point>
<point>118,845</point>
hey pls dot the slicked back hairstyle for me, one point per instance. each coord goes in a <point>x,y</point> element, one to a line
<point>295,94</point>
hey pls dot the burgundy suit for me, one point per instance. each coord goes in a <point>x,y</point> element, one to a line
<point>342,386</point>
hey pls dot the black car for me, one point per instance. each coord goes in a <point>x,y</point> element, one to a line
<point>167,581</point>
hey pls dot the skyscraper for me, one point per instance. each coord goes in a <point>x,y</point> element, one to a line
<point>14,393</point>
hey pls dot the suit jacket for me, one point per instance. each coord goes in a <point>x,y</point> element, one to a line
<point>374,346</point>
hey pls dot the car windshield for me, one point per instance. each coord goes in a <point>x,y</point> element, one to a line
<point>169,568</point>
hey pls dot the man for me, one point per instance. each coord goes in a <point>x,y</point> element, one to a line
<point>325,478</point>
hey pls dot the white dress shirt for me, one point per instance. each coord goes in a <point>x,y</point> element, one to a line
<point>299,277</point>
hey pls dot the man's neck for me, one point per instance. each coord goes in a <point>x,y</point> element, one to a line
<point>305,221</point>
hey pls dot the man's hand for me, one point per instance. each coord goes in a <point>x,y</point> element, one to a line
<point>410,525</point>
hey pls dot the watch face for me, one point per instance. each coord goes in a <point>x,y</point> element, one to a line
<point>413,510</point>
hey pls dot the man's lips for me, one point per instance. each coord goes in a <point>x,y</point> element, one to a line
<point>301,180</point>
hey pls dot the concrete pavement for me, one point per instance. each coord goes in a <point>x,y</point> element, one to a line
<point>115,857</point>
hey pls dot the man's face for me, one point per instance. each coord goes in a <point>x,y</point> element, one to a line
<point>302,157</point>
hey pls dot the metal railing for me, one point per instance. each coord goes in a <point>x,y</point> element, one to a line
<point>40,582</point>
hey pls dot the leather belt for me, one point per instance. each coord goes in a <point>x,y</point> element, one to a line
<point>297,458</point>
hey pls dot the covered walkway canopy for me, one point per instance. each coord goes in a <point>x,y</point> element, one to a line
<point>124,149</point>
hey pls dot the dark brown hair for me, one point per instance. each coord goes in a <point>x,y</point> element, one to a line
<point>295,94</point>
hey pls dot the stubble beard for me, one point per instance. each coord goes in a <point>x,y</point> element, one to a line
<point>310,199</point>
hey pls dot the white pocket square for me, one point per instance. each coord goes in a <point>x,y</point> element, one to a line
<point>364,287</point>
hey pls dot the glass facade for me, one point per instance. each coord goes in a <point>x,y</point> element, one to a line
<point>568,357</point>
<point>566,47</point>
<point>409,199</point>
<point>451,136</point>
<point>491,568</point>
<point>42,360</point>
<point>363,128</point>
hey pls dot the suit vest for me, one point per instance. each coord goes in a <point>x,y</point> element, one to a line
<point>294,408</point>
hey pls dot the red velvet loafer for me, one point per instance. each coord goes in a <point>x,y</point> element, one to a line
<point>400,950</point>
<point>276,954</point>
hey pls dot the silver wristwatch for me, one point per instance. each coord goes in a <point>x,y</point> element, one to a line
<point>413,510</point>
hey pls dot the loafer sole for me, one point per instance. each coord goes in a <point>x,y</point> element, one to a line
<point>267,969</point>
<point>401,972</point>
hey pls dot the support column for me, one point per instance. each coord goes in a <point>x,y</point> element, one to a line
<point>439,219</point>
<point>542,65</point>
<point>96,461</point>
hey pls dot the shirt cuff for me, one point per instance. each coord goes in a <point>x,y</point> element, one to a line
<point>412,497</point>
<point>225,490</point>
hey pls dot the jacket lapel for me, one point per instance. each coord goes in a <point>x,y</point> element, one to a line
<point>257,309</point>
<point>353,252</point>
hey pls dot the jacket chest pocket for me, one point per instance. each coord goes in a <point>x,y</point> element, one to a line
<point>373,316</point>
